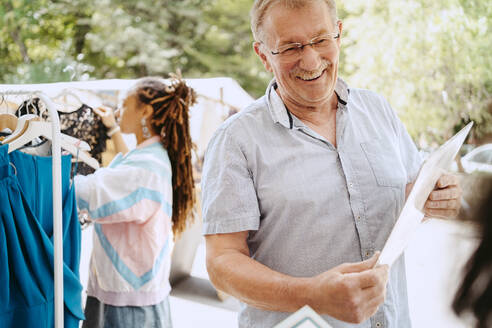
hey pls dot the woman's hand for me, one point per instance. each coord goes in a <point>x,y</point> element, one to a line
<point>107,116</point>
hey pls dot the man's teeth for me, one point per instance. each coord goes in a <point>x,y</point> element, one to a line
<point>309,77</point>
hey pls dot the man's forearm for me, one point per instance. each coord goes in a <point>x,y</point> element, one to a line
<point>350,292</point>
<point>257,285</point>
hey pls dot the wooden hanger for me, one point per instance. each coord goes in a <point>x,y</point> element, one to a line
<point>8,121</point>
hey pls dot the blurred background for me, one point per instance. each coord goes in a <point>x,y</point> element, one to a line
<point>432,60</point>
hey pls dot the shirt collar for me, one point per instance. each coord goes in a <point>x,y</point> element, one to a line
<point>281,115</point>
<point>120,157</point>
<point>148,142</point>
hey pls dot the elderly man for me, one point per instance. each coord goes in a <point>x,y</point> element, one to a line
<point>302,188</point>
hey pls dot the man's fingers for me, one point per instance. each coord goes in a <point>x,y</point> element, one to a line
<point>447,180</point>
<point>360,266</point>
<point>371,278</point>
<point>374,297</point>
<point>443,204</point>
<point>443,194</point>
<point>440,213</point>
<point>374,303</point>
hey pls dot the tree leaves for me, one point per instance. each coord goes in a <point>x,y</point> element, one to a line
<point>431,59</point>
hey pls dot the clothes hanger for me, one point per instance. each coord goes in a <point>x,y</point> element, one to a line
<point>63,99</point>
<point>8,121</point>
<point>21,127</point>
<point>81,144</point>
<point>82,97</point>
<point>34,127</point>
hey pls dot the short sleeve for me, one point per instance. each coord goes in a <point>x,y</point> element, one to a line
<point>229,201</point>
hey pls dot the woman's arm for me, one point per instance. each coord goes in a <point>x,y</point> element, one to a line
<point>119,143</point>
<point>109,120</point>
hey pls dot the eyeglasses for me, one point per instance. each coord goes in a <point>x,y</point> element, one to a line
<point>319,43</point>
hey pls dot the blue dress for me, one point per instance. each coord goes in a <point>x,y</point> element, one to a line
<point>26,244</point>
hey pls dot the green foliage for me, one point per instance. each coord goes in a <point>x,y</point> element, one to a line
<point>226,47</point>
<point>431,59</point>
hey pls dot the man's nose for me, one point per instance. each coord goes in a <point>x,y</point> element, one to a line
<point>310,58</point>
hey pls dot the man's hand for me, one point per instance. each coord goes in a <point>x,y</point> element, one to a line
<point>351,292</point>
<point>445,200</point>
<point>107,116</point>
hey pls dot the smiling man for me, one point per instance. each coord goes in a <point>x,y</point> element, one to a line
<point>302,188</point>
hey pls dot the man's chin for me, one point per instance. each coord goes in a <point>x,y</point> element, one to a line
<point>315,94</point>
<point>314,100</point>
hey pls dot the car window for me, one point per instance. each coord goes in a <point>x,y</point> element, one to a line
<point>483,157</point>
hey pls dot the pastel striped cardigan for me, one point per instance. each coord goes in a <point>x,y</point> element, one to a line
<point>130,202</point>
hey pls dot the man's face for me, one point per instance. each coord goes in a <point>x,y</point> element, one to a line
<point>308,78</point>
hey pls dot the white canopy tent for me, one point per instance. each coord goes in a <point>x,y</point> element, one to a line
<point>218,98</point>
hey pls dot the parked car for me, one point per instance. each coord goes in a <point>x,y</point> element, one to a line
<point>479,159</point>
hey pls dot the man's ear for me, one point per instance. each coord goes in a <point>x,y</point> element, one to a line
<point>340,28</point>
<point>263,57</point>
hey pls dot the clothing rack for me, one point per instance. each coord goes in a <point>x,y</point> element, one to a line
<point>57,200</point>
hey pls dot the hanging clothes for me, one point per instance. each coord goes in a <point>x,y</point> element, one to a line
<point>83,124</point>
<point>26,244</point>
<point>32,106</point>
<point>86,125</point>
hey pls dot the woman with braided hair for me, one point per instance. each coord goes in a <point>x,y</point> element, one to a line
<point>138,203</point>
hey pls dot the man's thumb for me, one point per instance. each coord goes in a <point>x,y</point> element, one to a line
<point>361,266</point>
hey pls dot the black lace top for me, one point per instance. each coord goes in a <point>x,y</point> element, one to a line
<point>86,125</point>
<point>83,124</point>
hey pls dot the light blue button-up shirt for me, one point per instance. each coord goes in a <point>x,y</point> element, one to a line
<point>308,205</point>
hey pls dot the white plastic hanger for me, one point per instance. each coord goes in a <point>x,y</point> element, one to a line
<point>21,127</point>
<point>80,144</point>
<point>68,101</point>
<point>33,128</point>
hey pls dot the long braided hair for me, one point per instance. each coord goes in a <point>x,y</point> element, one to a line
<point>170,119</point>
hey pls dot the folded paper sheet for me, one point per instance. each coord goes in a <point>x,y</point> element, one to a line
<point>305,317</point>
<point>412,213</point>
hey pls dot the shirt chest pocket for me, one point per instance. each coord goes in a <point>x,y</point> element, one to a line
<point>384,163</point>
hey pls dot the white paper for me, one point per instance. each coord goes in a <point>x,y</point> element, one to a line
<point>305,317</point>
<point>412,213</point>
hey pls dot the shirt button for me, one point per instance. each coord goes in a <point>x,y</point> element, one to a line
<point>368,254</point>
<point>351,185</point>
<point>358,217</point>
<point>379,324</point>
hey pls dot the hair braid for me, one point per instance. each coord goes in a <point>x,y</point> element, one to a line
<point>170,119</point>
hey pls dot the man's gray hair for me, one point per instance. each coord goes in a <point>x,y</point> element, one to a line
<point>260,7</point>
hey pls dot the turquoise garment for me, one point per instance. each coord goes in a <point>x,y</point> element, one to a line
<point>26,244</point>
